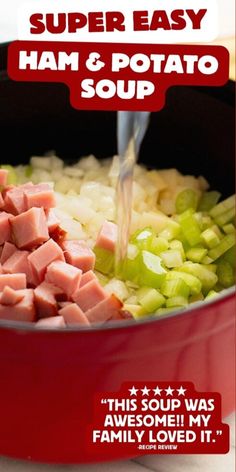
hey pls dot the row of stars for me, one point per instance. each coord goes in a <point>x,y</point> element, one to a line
<point>157,391</point>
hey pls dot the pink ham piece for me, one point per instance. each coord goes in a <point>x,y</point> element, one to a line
<point>3,176</point>
<point>15,199</point>
<point>87,277</point>
<point>107,236</point>
<point>52,220</point>
<point>42,257</point>
<point>10,296</point>
<point>22,311</point>
<point>41,196</point>
<point>64,275</point>
<point>79,255</point>
<point>53,322</point>
<point>15,281</point>
<point>106,309</point>
<point>1,271</point>
<point>121,315</point>
<point>73,315</point>
<point>89,295</point>
<point>29,229</point>
<point>1,201</point>
<point>5,229</point>
<point>18,263</point>
<point>63,304</point>
<point>8,250</point>
<point>45,299</point>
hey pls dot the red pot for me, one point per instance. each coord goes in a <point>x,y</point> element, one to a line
<point>48,378</point>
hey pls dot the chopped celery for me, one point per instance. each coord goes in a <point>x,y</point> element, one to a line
<point>28,171</point>
<point>207,222</point>
<point>193,282</point>
<point>104,260</point>
<point>190,228</point>
<point>130,268</point>
<point>230,256</point>
<point>207,260</point>
<point>172,258</point>
<point>211,267</point>
<point>102,278</point>
<point>175,288</point>
<point>211,294</point>
<point>210,238</point>
<point>223,207</point>
<point>196,298</point>
<point>217,231</point>
<point>229,228</point>
<point>162,311</point>
<point>152,300</point>
<point>196,254</point>
<point>141,292</point>
<point>136,310</point>
<point>12,175</point>
<point>206,276</point>
<point>208,200</point>
<point>171,231</point>
<point>179,301</point>
<point>226,243</point>
<point>225,274</point>
<point>225,217</point>
<point>159,245</point>
<point>152,273</point>
<point>143,238</point>
<point>132,251</point>
<point>176,244</point>
<point>186,199</point>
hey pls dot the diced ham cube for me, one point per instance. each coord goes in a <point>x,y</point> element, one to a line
<point>87,277</point>
<point>104,310</point>
<point>73,315</point>
<point>15,281</point>
<point>89,295</point>
<point>121,315</point>
<point>10,296</point>
<point>15,200</point>
<point>3,176</point>
<point>1,271</point>
<point>52,221</point>
<point>63,304</point>
<point>30,228</point>
<point>41,196</point>
<point>53,322</point>
<point>45,299</point>
<point>58,235</point>
<point>78,254</point>
<point>5,229</point>
<point>22,311</point>
<point>107,236</point>
<point>64,275</point>
<point>1,201</point>
<point>8,250</point>
<point>42,257</point>
<point>18,263</point>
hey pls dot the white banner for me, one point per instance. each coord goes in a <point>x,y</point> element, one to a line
<point>137,21</point>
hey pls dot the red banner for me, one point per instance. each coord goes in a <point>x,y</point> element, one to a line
<point>118,76</point>
<point>158,418</point>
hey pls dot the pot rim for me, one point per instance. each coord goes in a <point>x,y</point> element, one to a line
<point>225,295</point>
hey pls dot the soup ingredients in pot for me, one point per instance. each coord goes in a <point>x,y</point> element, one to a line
<point>58,236</point>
